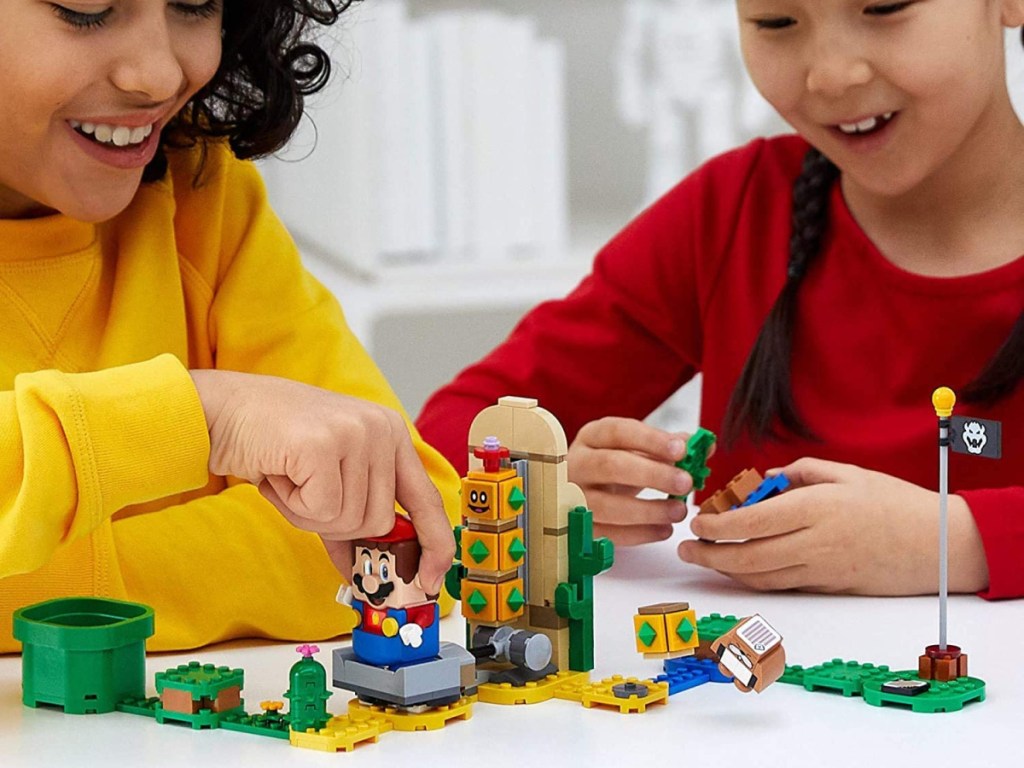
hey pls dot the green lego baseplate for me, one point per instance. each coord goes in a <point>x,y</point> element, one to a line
<point>273,724</point>
<point>851,678</point>
<point>940,697</point>
<point>712,627</point>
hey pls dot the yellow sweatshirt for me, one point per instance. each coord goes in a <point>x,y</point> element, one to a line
<point>104,488</point>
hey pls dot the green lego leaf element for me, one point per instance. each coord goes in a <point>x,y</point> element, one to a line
<point>476,601</point>
<point>587,556</point>
<point>479,551</point>
<point>569,605</point>
<point>516,499</point>
<point>647,634</point>
<point>685,630</point>
<point>696,459</point>
<point>515,599</point>
<point>458,541</point>
<point>516,550</point>
<point>453,580</point>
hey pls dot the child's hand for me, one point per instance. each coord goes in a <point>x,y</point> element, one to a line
<point>841,529</point>
<point>613,459</point>
<point>331,464</point>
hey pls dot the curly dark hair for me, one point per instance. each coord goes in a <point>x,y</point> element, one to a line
<point>256,97</point>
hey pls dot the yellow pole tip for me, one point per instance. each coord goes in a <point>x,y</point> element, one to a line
<point>943,399</point>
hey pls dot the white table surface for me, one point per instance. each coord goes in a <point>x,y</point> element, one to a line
<point>713,724</point>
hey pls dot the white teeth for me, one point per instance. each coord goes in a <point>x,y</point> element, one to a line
<point>865,126</point>
<point>118,135</point>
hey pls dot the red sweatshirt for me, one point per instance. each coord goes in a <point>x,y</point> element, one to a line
<point>686,287</point>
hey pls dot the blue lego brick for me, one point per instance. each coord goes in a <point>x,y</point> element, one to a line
<point>693,664</point>
<point>682,680</point>
<point>771,486</point>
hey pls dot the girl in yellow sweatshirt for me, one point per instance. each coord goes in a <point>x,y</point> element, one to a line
<point>185,418</point>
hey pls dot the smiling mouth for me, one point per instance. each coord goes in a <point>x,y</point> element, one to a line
<point>867,126</point>
<point>113,136</point>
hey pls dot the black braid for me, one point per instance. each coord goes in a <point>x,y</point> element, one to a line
<point>763,394</point>
<point>1003,372</point>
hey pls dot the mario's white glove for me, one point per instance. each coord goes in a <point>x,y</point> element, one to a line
<point>344,595</point>
<point>411,635</point>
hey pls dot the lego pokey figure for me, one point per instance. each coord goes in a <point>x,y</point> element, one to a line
<point>398,620</point>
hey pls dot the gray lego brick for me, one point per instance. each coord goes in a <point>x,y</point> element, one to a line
<point>406,686</point>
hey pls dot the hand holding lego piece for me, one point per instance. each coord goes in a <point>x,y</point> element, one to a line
<point>612,459</point>
<point>331,464</point>
<point>398,620</point>
<point>840,528</point>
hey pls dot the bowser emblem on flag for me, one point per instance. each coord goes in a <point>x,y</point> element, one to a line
<point>978,437</point>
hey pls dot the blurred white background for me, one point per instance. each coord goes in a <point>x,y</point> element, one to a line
<point>470,157</point>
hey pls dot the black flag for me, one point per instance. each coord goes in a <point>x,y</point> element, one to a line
<point>978,437</point>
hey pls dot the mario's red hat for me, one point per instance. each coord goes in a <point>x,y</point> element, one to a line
<point>403,531</point>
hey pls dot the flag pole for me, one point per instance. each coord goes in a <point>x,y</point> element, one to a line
<point>943,399</point>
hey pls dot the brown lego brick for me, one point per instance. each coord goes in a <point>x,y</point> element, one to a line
<point>227,699</point>
<point>942,665</point>
<point>544,617</point>
<point>662,608</point>
<point>942,670</point>
<point>734,493</point>
<point>177,700</point>
<point>492,577</point>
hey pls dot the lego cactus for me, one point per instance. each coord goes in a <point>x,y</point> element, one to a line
<point>453,578</point>
<point>83,654</point>
<point>574,600</point>
<point>696,459</point>
<point>308,692</point>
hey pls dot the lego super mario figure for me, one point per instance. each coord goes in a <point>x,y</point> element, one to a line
<point>398,621</point>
